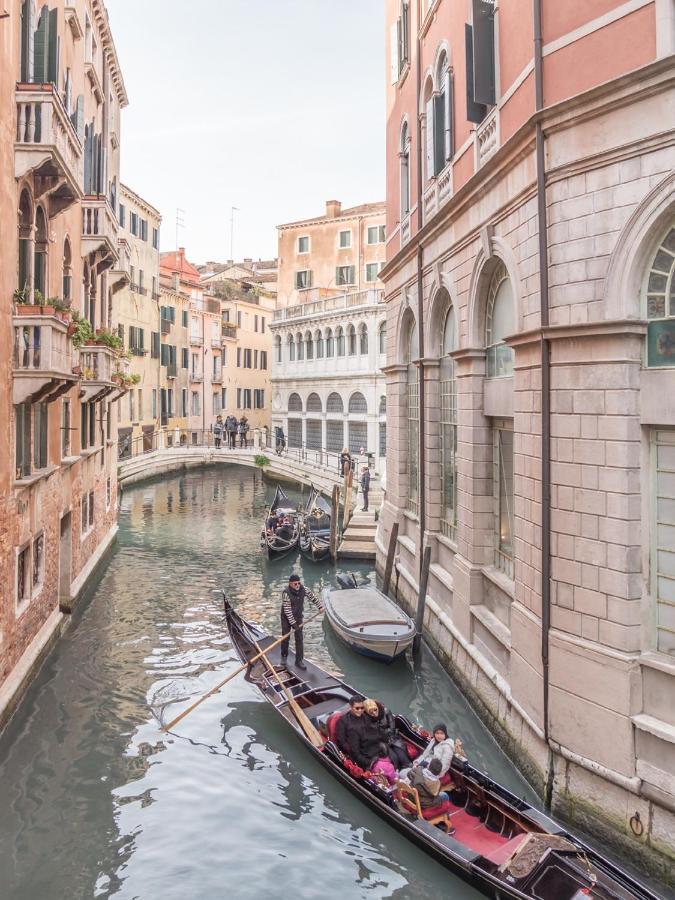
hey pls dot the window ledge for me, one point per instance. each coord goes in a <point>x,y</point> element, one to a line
<point>446,541</point>
<point>411,516</point>
<point>662,662</point>
<point>403,74</point>
<point>500,580</point>
<point>35,477</point>
<point>85,534</point>
<point>429,17</point>
<point>91,451</point>
<point>68,461</point>
<point>656,727</point>
<point>494,625</point>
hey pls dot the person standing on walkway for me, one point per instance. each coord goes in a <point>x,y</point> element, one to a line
<point>345,462</point>
<point>232,432</point>
<point>218,431</point>
<point>292,613</point>
<point>243,431</point>
<point>365,486</point>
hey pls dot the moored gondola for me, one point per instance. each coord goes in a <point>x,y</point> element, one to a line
<point>279,541</point>
<point>501,844</point>
<point>315,522</point>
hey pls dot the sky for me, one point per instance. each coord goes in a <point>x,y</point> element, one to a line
<point>270,106</point>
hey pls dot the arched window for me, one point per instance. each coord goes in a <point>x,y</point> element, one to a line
<point>41,245</point>
<point>383,406</point>
<point>300,346</point>
<point>26,244</point>
<point>318,341</point>
<point>314,403</point>
<point>448,427</point>
<point>661,304</point>
<point>340,341</point>
<point>334,404</point>
<point>413,418</point>
<point>294,403</point>
<point>330,343</point>
<point>351,340</point>
<point>309,345</point>
<point>277,348</point>
<point>363,339</point>
<point>442,116</point>
<point>382,338</point>
<point>499,323</point>
<point>67,281</point>
<point>358,404</point>
<point>291,348</point>
<point>404,157</point>
<point>429,168</point>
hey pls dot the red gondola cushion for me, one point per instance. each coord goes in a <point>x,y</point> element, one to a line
<point>332,725</point>
<point>446,779</point>
<point>438,810</point>
<point>413,751</point>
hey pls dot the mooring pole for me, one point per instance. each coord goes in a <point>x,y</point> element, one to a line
<point>335,511</point>
<point>391,553</point>
<point>421,600</point>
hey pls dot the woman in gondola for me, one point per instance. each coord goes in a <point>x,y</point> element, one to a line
<point>440,747</point>
<point>384,719</point>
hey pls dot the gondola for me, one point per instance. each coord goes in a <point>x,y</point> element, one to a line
<point>281,542</point>
<point>501,845</point>
<point>315,521</point>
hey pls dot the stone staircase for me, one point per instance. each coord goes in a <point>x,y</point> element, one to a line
<point>358,539</point>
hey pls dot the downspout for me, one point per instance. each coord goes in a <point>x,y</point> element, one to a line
<point>420,330</point>
<point>545,389</point>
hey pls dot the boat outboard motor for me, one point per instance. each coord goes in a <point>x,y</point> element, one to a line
<point>347,582</point>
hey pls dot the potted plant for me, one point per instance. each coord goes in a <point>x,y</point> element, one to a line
<point>108,339</point>
<point>88,373</point>
<point>82,330</point>
<point>22,304</point>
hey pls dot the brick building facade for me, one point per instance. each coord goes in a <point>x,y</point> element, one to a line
<point>530,285</point>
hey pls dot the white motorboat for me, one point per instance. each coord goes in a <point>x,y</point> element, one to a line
<point>369,622</point>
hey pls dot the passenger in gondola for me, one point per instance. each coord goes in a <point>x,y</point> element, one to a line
<point>427,781</point>
<point>384,719</point>
<point>284,528</point>
<point>272,523</point>
<point>440,747</point>
<point>358,736</point>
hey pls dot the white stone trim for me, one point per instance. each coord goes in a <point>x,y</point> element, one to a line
<point>587,28</point>
<point>78,584</point>
<point>665,27</point>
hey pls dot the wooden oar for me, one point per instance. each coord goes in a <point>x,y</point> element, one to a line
<point>299,714</point>
<point>214,690</point>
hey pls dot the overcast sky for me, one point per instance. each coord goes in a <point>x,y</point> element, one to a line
<point>272,106</point>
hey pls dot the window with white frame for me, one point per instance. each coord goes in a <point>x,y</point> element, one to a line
<point>23,579</point>
<point>351,340</point>
<point>663,540</point>
<point>442,117</point>
<point>363,339</point>
<point>303,279</point>
<point>330,343</point>
<point>373,270</point>
<point>340,335</point>
<point>499,324</point>
<point>303,243</point>
<point>376,234</point>
<point>660,291</point>
<point>503,494</point>
<point>277,348</point>
<point>448,428</point>
<point>318,341</point>
<point>413,421</point>
<point>345,239</point>
<point>345,275</point>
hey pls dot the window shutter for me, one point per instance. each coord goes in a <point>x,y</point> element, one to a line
<point>53,48</point>
<point>439,133</point>
<point>475,112</point>
<point>430,137</point>
<point>41,47</point>
<point>405,185</point>
<point>352,274</point>
<point>77,118</point>
<point>484,51</point>
<point>449,116</point>
<point>27,41</point>
<point>154,344</point>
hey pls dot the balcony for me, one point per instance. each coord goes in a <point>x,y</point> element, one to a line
<point>405,229</point>
<point>196,340</point>
<point>97,364</point>
<point>99,230</point>
<point>217,377</point>
<point>165,326</point>
<point>43,358</point>
<point>430,200</point>
<point>196,377</point>
<point>330,304</point>
<point>48,145</point>
<point>172,370</point>
<point>216,343</point>
<point>486,138</point>
<point>120,275</point>
<point>229,331</point>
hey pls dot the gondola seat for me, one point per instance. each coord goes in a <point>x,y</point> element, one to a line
<point>332,725</point>
<point>413,751</point>
<point>409,799</point>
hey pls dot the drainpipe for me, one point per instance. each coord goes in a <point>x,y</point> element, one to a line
<point>420,331</point>
<point>545,387</point>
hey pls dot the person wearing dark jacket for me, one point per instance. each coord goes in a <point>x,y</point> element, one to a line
<point>365,486</point>
<point>292,612</point>
<point>358,736</point>
<point>345,463</point>
<point>384,719</point>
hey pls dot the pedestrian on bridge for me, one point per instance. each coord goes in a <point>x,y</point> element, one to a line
<point>365,486</point>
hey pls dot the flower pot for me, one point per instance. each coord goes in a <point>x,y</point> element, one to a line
<point>27,309</point>
<point>72,328</point>
<point>48,310</point>
<point>77,370</point>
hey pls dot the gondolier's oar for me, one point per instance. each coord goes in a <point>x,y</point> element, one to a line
<point>214,690</point>
<point>299,714</point>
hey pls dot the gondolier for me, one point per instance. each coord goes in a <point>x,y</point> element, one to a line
<point>292,612</point>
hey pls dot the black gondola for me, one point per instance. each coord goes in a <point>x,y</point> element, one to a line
<point>501,844</point>
<point>285,538</point>
<point>315,521</point>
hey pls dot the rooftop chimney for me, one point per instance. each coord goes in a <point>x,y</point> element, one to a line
<point>333,209</point>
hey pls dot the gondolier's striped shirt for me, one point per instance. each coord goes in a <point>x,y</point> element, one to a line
<point>287,605</point>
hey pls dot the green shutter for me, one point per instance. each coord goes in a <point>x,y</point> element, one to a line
<point>41,48</point>
<point>77,117</point>
<point>27,41</point>
<point>439,133</point>
<point>53,48</point>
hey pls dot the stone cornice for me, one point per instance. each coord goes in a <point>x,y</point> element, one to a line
<point>468,353</point>
<point>394,369</point>
<point>635,327</point>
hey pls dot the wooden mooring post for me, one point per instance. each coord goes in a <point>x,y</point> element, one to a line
<point>421,600</point>
<point>335,512</point>
<point>347,509</point>
<point>391,553</point>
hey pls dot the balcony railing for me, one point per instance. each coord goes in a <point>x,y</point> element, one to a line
<point>166,326</point>
<point>97,364</point>
<point>196,377</point>
<point>216,343</point>
<point>43,356</point>
<point>46,137</point>
<point>487,138</point>
<point>196,340</point>
<point>230,331</point>
<point>120,274</point>
<point>99,227</point>
<point>217,377</point>
<point>172,370</point>
<point>330,304</point>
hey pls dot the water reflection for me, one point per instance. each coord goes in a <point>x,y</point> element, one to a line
<point>97,801</point>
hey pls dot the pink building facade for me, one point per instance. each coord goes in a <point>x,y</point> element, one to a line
<point>530,295</point>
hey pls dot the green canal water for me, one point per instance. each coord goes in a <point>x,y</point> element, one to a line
<point>95,801</point>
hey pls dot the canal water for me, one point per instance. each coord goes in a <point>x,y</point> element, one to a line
<point>96,801</point>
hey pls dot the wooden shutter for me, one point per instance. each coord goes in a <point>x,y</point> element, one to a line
<point>484,51</point>
<point>430,137</point>
<point>449,116</point>
<point>27,41</point>
<point>41,48</point>
<point>439,133</point>
<point>405,183</point>
<point>77,117</point>
<point>475,112</point>
<point>53,48</point>
<point>393,49</point>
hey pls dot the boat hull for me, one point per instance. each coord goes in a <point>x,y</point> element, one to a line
<point>387,637</point>
<point>382,651</point>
